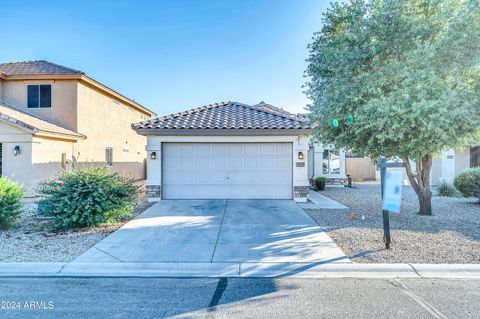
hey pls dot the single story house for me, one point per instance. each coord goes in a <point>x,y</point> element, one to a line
<point>53,117</point>
<point>226,150</point>
<point>234,150</point>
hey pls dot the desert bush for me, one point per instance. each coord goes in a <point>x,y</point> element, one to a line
<point>448,189</point>
<point>10,206</point>
<point>87,197</point>
<point>468,182</point>
<point>320,183</point>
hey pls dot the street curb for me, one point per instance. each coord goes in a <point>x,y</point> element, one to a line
<point>8,269</point>
<point>239,270</point>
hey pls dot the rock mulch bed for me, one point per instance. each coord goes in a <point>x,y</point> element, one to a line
<point>29,239</point>
<point>452,235</point>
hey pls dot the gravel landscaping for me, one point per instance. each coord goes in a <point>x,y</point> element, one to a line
<point>30,239</point>
<point>452,235</point>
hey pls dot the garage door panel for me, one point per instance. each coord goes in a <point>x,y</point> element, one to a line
<point>284,163</point>
<point>219,149</point>
<point>219,177</point>
<point>268,149</point>
<point>235,162</point>
<point>236,178</point>
<point>235,149</point>
<point>186,162</point>
<point>282,178</point>
<point>251,163</point>
<point>219,163</point>
<point>267,178</point>
<point>203,149</point>
<point>238,170</point>
<point>203,177</point>
<point>186,150</point>
<point>204,162</point>
<point>252,149</point>
<point>284,148</point>
<point>251,178</point>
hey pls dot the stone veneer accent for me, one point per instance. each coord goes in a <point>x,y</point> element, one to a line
<point>300,191</point>
<point>154,191</point>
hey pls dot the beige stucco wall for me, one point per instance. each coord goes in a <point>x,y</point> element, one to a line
<point>39,158</point>
<point>64,100</point>
<point>47,158</point>
<point>17,168</point>
<point>107,123</point>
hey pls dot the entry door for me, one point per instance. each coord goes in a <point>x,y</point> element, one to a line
<point>227,170</point>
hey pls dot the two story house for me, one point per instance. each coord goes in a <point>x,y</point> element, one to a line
<point>53,117</point>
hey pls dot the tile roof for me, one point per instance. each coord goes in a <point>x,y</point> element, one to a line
<point>35,67</point>
<point>223,116</point>
<point>33,123</point>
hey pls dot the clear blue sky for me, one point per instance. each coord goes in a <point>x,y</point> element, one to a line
<point>172,55</point>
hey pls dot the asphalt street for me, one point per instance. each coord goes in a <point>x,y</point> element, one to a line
<point>238,298</point>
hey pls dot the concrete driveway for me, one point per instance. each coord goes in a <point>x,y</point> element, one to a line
<point>218,231</point>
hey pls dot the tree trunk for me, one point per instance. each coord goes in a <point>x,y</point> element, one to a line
<point>425,201</point>
<point>420,181</point>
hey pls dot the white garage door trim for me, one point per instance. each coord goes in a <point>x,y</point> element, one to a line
<point>227,170</point>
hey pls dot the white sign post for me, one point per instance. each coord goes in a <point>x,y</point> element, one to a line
<point>391,194</point>
<point>392,191</point>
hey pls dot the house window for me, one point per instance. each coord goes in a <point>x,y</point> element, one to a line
<point>475,156</point>
<point>39,96</point>
<point>108,156</point>
<point>331,162</point>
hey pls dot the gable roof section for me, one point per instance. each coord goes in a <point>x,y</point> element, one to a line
<point>45,70</point>
<point>35,124</point>
<point>220,118</point>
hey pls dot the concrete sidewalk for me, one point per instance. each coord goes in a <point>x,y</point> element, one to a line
<point>245,270</point>
<point>319,201</point>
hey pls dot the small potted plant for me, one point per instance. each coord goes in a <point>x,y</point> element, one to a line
<point>320,182</point>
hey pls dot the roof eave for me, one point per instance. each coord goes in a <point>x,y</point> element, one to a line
<point>19,124</point>
<point>73,137</point>
<point>43,76</point>
<point>223,132</point>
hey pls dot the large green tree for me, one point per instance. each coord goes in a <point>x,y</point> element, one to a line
<point>400,77</point>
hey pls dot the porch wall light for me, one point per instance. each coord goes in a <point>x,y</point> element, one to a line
<point>16,150</point>
<point>300,155</point>
<point>153,155</point>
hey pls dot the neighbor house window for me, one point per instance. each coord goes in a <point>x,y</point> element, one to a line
<point>475,156</point>
<point>108,156</point>
<point>331,162</point>
<point>39,96</point>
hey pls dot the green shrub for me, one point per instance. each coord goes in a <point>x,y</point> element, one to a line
<point>448,189</point>
<point>320,183</point>
<point>10,207</point>
<point>476,188</point>
<point>468,182</point>
<point>88,197</point>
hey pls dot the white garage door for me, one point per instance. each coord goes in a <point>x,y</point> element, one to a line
<point>221,170</point>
